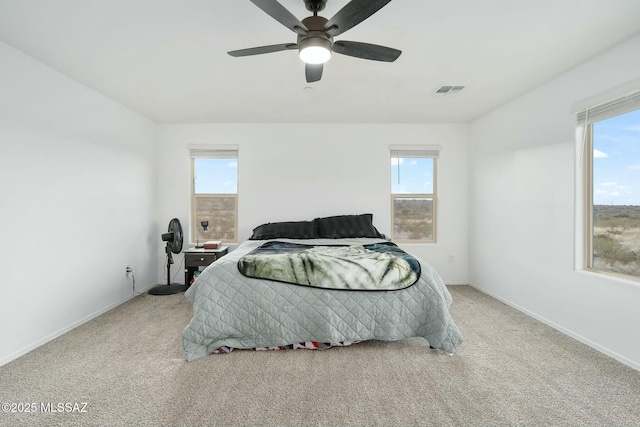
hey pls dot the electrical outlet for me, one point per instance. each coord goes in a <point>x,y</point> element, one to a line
<point>451,259</point>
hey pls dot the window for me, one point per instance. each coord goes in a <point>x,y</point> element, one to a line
<point>214,194</point>
<point>612,186</point>
<point>414,193</point>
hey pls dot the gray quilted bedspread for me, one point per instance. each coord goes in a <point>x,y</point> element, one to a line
<point>232,310</point>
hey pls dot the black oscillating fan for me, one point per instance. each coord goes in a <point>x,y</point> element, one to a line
<point>173,237</point>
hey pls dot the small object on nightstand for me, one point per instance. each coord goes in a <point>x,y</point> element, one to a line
<point>212,244</point>
<point>204,225</point>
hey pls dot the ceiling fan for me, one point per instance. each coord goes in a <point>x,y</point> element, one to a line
<point>315,34</point>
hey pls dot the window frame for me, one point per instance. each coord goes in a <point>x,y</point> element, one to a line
<point>407,152</point>
<point>224,152</point>
<point>586,122</point>
<point>588,199</point>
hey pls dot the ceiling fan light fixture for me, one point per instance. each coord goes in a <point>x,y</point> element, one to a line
<point>315,50</point>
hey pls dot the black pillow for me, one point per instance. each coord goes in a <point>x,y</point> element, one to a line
<point>286,230</point>
<point>347,226</point>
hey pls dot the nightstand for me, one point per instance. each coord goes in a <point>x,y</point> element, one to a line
<point>195,259</point>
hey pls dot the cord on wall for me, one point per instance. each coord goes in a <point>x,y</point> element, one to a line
<point>131,272</point>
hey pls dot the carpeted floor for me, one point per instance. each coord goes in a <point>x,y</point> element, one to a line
<point>127,366</point>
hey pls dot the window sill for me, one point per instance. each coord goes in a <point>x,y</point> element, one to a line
<point>414,242</point>
<point>616,277</point>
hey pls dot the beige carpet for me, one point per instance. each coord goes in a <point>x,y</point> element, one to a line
<point>127,366</point>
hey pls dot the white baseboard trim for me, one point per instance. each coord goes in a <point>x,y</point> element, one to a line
<point>456,283</point>
<point>601,349</point>
<point>8,358</point>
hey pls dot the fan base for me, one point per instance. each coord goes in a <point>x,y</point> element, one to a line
<point>167,289</point>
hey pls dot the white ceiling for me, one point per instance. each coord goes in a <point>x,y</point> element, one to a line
<point>167,59</point>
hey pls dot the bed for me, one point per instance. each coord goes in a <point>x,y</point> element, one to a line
<point>231,310</point>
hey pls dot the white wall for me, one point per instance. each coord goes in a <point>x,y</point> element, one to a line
<point>522,210</point>
<point>78,198</point>
<point>303,171</point>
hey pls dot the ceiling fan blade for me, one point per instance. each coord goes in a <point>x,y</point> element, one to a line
<point>281,14</point>
<point>313,72</point>
<point>366,51</point>
<point>263,49</point>
<point>352,14</point>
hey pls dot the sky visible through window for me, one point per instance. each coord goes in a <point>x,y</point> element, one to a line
<point>616,160</point>
<point>414,176</point>
<point>216,176</point>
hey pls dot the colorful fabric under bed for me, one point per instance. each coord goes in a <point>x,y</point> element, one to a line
<point>309,345</point>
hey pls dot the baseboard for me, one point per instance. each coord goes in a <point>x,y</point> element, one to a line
<point>456,283</point>
<point>622,359</point>
<point>6,359</point>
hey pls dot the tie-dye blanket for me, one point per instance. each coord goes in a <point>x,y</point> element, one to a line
<point>374,267</point>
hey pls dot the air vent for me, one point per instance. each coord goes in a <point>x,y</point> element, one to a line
<point>447,90</point>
